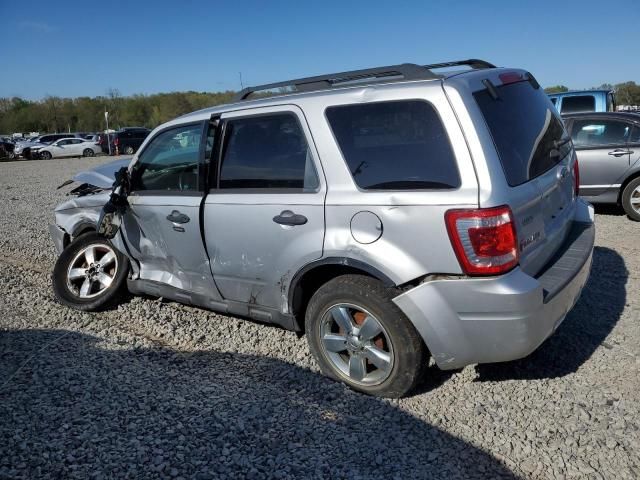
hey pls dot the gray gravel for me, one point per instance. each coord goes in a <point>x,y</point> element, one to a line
<point>154,389</point>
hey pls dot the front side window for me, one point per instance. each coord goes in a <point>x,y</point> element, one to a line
<point>267,152</point>
<point>591,133</point>
<point>579,103</point>
<point>170,161</point>
<point>400,145</point>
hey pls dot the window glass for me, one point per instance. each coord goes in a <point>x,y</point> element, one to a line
<point>75,141</point>
<point>527,132</point>
<point>64,142</point>
<point>554,100</point>
<point>635,135</point>
<point>394,145</point>
<point>267,151</point>
<point>578,103</point>
<point>589,133</point>
<point>170,161</point>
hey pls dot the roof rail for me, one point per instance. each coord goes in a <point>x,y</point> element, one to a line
<point>408,71</point>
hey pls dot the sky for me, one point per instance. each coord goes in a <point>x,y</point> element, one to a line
<point>84,48</point>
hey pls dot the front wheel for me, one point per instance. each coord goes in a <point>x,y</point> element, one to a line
<point>45,155</point>
<point>631,199</point>
<point>129,150</point>
<point>89,274</point>
<point>88,153</point>
<point>360,337</point>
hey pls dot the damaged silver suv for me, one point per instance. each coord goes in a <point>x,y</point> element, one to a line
<point>391,214</point>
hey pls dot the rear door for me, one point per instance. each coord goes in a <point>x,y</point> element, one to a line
<point>535,153</point>
<point>264,218</point>
<point>603,151</point>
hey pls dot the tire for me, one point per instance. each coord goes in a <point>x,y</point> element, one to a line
<point>45,155</point>
<point>71,291</point>
<point>391,337</point>
<point>88,153</point>
<point>631,199</point>
<point>129,150</point>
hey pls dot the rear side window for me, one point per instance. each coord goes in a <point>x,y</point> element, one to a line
<point>395,145</point>
<point>578,103</point>
<point>591,133</point>
<point>528,135</point>
<point>267,152</point>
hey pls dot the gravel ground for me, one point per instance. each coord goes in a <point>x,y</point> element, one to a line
<point>154,389</point>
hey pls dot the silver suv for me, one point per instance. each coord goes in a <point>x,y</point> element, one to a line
<point>391,214</point>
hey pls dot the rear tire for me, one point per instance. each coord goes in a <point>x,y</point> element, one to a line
<point>89,274</point>
<point>129,150</point>
<point>88,153</point>
<point>382,354</point>
<point>631,199</point>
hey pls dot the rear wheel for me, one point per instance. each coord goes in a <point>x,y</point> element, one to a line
<point>88,152</point>
<point>360,337</point>
<point>89,274</point>
<point>631,199</point>
<point>45,155</point>
<point>129,150</point>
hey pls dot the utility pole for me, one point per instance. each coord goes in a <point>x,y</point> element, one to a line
<point>106,119</point>
<point>241,84</point>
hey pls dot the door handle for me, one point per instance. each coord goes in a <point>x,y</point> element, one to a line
<point>287,217</point>
<point>618,152</point>
<point>177,217</point>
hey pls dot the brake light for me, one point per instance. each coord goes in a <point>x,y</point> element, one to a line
<point>576,175</point>
<point>116,142</point>
<point>483,239</point>
<point>510,77</point>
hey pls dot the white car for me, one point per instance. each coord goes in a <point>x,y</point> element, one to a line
<point>67,147</point>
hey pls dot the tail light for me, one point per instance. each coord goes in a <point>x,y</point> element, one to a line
<point>483,239</point>
<point>576,175</point>
<point>116,142</point>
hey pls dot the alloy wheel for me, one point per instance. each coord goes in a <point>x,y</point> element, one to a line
<point>634,200</point>
<point>356,344</point>
<point>92,271</point>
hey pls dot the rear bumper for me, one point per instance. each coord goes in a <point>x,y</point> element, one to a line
<point>482,320</point>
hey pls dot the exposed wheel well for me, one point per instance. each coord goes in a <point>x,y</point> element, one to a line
<point>80,230</point>
<point>309,281</point>
<point>625,183</point>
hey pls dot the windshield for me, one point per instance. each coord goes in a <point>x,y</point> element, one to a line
<point>528,134</point>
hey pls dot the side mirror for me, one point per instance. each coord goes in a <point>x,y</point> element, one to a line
<point>111,215</point>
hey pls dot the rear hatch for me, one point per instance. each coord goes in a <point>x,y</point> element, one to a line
<point>536,156</point>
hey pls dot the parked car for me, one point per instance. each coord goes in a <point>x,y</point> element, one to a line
<point>24,148</point>
<point>66,147</point>
<point>128,140</point>
<point>580,101</point>
<point>608,147</point>
<point>7,148</point>
<point>391,214</point>
<point>103,140</point>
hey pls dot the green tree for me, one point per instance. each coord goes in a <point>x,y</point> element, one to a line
<point>556,89</point>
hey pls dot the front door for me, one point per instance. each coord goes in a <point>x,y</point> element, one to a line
<point>162,225</point>
<point>264,218</point>
<point>602,146</point>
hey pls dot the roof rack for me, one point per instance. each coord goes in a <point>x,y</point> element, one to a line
<point>407,71</point>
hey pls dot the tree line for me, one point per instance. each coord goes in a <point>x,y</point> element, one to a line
<point>627,93</point>
<point>86,114</point>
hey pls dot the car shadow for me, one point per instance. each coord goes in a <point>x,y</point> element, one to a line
<point>609,209</point>
<point>73,406</point>
<point>584,329</point>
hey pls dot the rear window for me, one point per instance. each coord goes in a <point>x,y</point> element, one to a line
<point>395,145</point>
<point>526,130</point>
<point>578,104</point>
